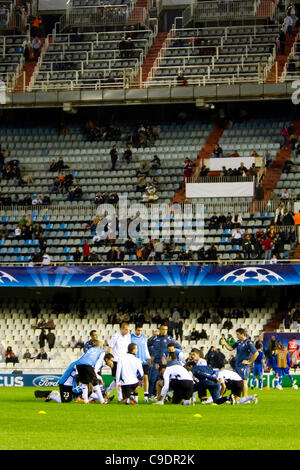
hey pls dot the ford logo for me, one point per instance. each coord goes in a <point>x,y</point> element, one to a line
<point>46,381</point>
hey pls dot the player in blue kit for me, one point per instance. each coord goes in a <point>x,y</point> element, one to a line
<point>87,366</point>
<point>143,354</point>
<point>246,353</point>
<point>259,368</point>
<point>157,351</point>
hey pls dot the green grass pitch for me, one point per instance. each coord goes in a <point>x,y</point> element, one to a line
<point>272,424</point>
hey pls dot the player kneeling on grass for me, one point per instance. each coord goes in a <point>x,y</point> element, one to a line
<point>87,366</point>
<point>230,380</point>
<point>177,379</point>
<point>129,372</point>
<point>69,388</point>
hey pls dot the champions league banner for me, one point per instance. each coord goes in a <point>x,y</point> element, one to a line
<point>150,275</point>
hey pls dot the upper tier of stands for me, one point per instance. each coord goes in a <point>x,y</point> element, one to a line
<point>218,54</point>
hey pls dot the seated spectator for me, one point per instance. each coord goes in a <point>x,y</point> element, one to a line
<point>34,355</point>
<point>127,155</point>
<point>60,165</point>
<point>4,232</point>
<point>285,195</point>
<point>42,355</point>
<point>194,335</point>
<point>98,199</point>
<point>27,354</point>
<point>113,198</point>
<point>155,163</point>
<point>46,260</point>
<point>236,220</point>
<point>77,255</point>
<point>204,171</point>
<point>236,237</point>
<point>228,325</point>
<point>73,343</point>
<point>78,193</point>
<point>218,151</point>
<point>181,80</point>
<point>36,200</point>
<point>213,222</point>
<point>79,343</point>
<point>203,334</point>
<point>52,166</point>
<point>10,356</point>
<point>235,154</point>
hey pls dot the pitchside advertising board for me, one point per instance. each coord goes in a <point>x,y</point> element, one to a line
<point>35,380</point>
<point>49,381</point>
<point>151,275</point>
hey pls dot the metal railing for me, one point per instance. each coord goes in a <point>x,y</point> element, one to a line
<point>220,179</point>
<point>89,210</point>
<point>233,9</point>
<point>219,262</point>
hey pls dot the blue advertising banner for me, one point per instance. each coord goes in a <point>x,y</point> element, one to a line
<point>150,275</point>
<point>282,338</point>
<point>37,380</point>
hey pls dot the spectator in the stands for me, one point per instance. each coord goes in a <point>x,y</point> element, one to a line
<point>236,220</point>
<point>213,222</point>
<point>236,237</point>
<point>46,259</point>
<point>181,80</point>
<point>228,325</point>
<point>127,155</point>
<point>52,166</point>
<point>113,157</point>
<point>285,136</point>
<point>10,356</point>
<point>86,251</point>
<point>218,151</point>
<point>27,355</point>
<point>42,355</point>
<point>77,255</point>
<point>73,342</point>
<point>78,193</point>
<point>36,47</point>
<point>60,165</point>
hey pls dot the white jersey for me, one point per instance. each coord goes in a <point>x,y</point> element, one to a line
<point>119,344</point>
<point>201,362</point>
<point>225,375</point>
<point>129,370</point>
<point>174,372</point>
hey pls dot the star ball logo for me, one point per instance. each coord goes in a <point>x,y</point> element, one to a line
<point>140,221</point>
<point>249,274</point>
<point>4,276</point>
<point>117,274</point>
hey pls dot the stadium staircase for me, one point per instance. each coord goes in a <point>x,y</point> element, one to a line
<point>274,171</point>
<point>140,11</point>
<point>280,60</point>
<point>28,69</point>
<point>275,322</point>
<point>205,153</point>
<point>151,57</point>
<point>266,8</point>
